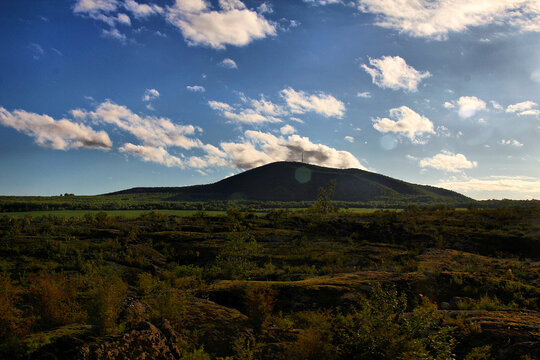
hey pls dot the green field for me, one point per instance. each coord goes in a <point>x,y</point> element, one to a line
<point>135,213</point>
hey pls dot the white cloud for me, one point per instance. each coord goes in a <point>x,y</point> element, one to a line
<point>449,105</point>
<point>323,2</point>
<point>152,154</point>
<point>259,111</point>
<point>103,10</point>
<point>229,64</point>
<point>266,107</point>
<point>142,10</point>
<point>408,122</point>
<point>124,19</point>
<point>496,105</point>
<point>365,94</point>
<point>232,25</point>
<point>349,139</point>
<point>113,34</point>
<point>295,119</point>
<point>150,94</point>
<point>300,102</point>
<point>448,161</point>
<point>469,106</point>
<point>258,148</point>
<point>524,108</point>
<point>511,142</point>
<point>394,73</point>
<point>287,130</point>
<point>265,7</point>
<point>496,187</point>
<point>56,134</point>
<point>95,6</point>
<point>435,19</point>
<point>196,88</point>
<point>153,131</point>
<point>220,106</point>
<point>249,116</point>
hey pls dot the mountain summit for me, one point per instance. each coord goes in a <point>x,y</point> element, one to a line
<point>294,181</point>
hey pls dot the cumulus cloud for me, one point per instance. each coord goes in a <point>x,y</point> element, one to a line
<point>469,106</point>
<point>256,112</point>
<point>407,122</point>
<point>496,105</point>
<point>449,105</point>
<point>511,142</point>
<point>233,24</point>
<point>220,106</point>
<point>365,94</point>
<point>524,108</point>
<point>493,187</point>
<point>153,131</point>
<point>229,64</point>
<point>142,10</point>
<point>323,2</point>
<point>150,94</point>
<point>287,130</point>
<point>104,11</point>
<point>249,116</point>
<point>448,162</point>
<point>196,88</point>
<point>349,139</point>
<point>114,34</point>
<point>435,19</point>
<point>266,107</point>
<point>393,72</point>
<point>56,134</point>
<point>259,148</point>
<point>300,102</point>
<point>152,154</point>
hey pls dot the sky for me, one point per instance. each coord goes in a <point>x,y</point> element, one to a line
<point>103,95</point>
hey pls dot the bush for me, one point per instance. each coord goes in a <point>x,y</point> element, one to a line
<point>106,293</point>
<point>259,302</point>
<point>54,299</point>
<point>382,330</point>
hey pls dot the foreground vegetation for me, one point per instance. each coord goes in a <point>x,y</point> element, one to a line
<point>422,283</point>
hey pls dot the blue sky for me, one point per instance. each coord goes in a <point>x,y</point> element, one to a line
<point>103,95</point>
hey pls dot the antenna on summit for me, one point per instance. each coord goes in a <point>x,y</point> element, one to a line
<point>302,157</point>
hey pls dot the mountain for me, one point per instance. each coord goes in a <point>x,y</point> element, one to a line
<point>293,181</point>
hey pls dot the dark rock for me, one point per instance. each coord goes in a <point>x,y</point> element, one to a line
<point>146,341</point>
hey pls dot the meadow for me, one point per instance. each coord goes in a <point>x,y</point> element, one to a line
<point>313,283</point>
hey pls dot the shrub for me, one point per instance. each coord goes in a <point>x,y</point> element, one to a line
<point>54,299</point>
<point>259,302</point>
<point>106,293</point>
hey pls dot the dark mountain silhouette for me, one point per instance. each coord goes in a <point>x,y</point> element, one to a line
<point>293,181</point>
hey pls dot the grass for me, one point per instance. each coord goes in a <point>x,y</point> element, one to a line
<point>136,213</point>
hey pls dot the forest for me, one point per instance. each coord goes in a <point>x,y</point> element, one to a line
<point>318,283</point>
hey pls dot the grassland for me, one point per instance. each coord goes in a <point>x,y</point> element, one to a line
<point>432,283</point>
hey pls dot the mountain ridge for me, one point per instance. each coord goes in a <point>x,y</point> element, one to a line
<point>295,181</point>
